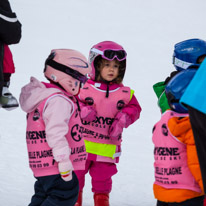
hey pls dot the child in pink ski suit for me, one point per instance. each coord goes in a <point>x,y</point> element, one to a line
<point>49,108</point>
<point>111,106</point>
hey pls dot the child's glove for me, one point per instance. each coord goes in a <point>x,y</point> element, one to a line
<point>65,170</point>
<point>88,113</point>
<point>122,120</point>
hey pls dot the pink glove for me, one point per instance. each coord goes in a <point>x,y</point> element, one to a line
<point>65,170</point>
<point>88,113</point>
<point>122,120</point>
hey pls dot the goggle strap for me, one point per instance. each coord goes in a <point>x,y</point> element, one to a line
<point>67,70</point>
<point>179,63</point>
<point>97,51</point>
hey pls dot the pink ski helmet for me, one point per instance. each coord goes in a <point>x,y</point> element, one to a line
<point>107,50</point>
<point>68,68</point>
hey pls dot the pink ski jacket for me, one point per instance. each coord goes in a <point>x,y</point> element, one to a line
<point>120,98</point>
<point>49,141</point>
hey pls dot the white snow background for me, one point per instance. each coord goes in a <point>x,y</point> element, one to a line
<point>147,30</point>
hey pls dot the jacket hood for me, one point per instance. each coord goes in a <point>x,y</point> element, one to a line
<point>33,93</point>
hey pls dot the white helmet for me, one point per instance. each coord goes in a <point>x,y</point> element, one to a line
<point>68,68</point>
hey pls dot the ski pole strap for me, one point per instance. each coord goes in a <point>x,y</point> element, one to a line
<point>1,66</point>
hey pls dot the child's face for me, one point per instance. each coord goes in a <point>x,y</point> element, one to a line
<point>110,70</point>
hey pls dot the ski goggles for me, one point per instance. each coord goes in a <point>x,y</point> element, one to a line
<point>110,54</point>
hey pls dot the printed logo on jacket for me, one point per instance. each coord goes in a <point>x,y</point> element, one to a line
<point>39,152</point>
<point>101,125</point>
<point>170,155</point>
<point>106,108</point>
<point>76,142</point>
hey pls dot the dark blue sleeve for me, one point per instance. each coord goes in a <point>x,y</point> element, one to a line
<point>195,95</point>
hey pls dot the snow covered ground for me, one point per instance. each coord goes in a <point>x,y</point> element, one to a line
<point>148,31</point>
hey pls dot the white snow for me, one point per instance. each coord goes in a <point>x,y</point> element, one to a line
<point>148,31</point>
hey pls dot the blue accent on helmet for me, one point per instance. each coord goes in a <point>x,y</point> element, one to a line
<point>176,87</point>
<point>186,53</point>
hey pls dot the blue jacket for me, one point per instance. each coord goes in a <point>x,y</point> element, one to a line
<point>195,95</point>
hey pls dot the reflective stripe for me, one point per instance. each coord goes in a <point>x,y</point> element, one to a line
<point>132,92</point>
<point>106,150</point>
<point>63,173</point>
<point>9,19</point>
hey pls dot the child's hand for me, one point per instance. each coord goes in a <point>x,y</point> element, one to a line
<point>65,169</point>
<point>121,121</point>
<point>88,113</point>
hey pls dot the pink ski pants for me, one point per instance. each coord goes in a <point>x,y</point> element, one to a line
<point>101,176</point>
